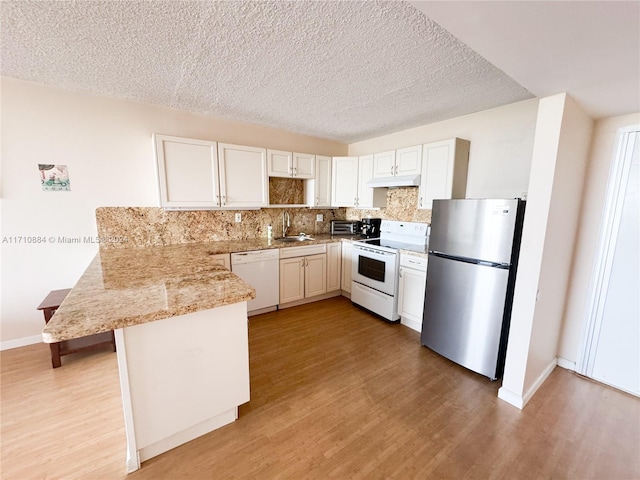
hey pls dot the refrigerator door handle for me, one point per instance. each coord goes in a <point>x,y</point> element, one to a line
<point>475,261</point>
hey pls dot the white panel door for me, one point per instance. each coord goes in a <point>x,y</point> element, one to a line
<point>280,163</point>
<point>411,289</point>
<point>437,172</point>
<point>322,182</point>
<point>344,181</point>
<point>346,266</point>
<point>304,165</point>
<point>187,172</point>
<point>384,164</point>
<point>409,161</point>
<point>315,275</point>
<point>365,173</point>
<point>334,255</point>
<point>244,182</point>
<point>291,279</point>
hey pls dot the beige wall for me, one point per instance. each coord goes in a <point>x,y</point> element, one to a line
<point>590,218</point>
<point>560,154</point>
<point>106,144</point>
<point>501,144</point>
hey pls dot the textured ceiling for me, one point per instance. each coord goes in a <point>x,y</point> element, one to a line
<point>339,70</point>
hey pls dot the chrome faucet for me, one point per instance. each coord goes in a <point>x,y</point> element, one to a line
<point>286,223</point>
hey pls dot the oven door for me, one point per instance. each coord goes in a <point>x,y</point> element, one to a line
<point>375,268</point>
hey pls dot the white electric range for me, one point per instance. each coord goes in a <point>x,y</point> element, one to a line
<point>376,262</point>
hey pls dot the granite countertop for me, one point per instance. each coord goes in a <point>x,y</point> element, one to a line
<point>129,286</point>
<point>126,287</point>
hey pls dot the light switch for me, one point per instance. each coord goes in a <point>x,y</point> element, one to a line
<point>238,217</point>
<point>319,217</point>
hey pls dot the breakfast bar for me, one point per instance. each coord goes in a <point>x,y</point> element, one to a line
<point>180,325</point>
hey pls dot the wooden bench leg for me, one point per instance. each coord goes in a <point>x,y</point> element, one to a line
<point>55,354</point>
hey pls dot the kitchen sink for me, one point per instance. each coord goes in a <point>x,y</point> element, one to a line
<point>297,238</point>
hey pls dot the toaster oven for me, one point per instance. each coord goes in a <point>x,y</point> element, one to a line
<point>345,227</point>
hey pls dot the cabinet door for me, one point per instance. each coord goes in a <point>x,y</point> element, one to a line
<point>409,161</point>
<point>334,255</point>
<point>365,173</point>
<point>344,181</point>
<point>315,275</point>
<point>322,183</point>
<point>346,266</point>
<point>223,259</point>
<point>384,164</point>
<point>444,171</point>
<point>292,279</point>
<point>280,163</point>
<point>187,172</point>
<point>244,181</point>
<point>304,165</point>
<point>411,289</point>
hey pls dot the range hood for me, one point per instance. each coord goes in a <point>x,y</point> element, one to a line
<point>399,181</point>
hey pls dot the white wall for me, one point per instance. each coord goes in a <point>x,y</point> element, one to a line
<point>106,144</point>
<point>593,199</point>
<point>501,145</point>
<point>560,154</point>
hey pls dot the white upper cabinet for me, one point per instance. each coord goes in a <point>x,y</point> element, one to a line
<point>444,171</point>
<point>384,164</point>
<point>280,163</point>
<point>244,182</point>
<point>318,191</point>
<point>198,174</point>
<point>409,161</point>
<point>288,164</point>
<point>187,172</point>
<point>405,161</point>
<point>304,165</point>
<point>349,179</point>
<point>344,181</point>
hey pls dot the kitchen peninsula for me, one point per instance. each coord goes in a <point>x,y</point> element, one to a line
<point>180,324</point>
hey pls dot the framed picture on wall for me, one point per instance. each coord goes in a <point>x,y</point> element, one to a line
<point>54,178</point>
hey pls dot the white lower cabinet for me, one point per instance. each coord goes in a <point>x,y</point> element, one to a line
<point>411,290</point>
<point>334,256</point>
<point>303,272</point>
<point>345,278</point>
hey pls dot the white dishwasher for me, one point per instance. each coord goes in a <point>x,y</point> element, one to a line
<point>261,270</point>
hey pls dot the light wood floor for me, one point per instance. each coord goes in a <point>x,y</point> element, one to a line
<point>335,393</point>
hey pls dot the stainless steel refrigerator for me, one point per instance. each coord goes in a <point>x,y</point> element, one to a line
<point>473,256</point>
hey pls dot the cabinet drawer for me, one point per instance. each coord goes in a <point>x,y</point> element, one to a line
<point>412,261</point>
<point>291,252</point>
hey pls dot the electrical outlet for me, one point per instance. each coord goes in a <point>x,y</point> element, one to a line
<point>319,217</point>
<point>238,217</point>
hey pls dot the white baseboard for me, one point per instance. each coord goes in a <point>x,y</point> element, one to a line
<point>519,401</point>
<point>20,342</point>
<point>566,364</point>
<point>412,324</point>
<point>510,397</point>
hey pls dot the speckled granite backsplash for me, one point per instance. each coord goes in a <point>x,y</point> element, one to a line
<point>401,205</point>
<point>152,226</point>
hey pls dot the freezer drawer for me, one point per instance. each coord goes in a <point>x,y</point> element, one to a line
<point>464,311</point>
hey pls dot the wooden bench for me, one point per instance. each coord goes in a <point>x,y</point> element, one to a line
<point>49,305</point>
